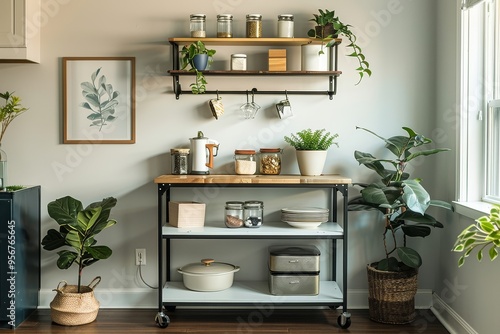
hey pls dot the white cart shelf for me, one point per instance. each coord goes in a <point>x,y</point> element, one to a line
<point>248,293</point>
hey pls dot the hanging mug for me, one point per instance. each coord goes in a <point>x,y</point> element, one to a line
<point>284,108</point>
<point>216,106</point>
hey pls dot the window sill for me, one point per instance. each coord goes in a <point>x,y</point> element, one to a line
<point>472,210</point>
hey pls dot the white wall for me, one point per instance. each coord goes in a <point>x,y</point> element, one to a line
<point>398,38</point>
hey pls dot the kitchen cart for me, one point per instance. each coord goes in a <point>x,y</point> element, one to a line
<point>247,293</point>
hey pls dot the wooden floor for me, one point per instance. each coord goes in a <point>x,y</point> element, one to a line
<point>315,321</point>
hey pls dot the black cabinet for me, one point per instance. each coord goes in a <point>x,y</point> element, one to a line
<point>19,255</point>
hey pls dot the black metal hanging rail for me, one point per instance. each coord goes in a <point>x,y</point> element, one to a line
<point>332,75</point>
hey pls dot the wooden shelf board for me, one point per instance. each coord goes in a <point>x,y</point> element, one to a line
<point>246,180</point>
<point>250,41</point>
<point>242,73</point>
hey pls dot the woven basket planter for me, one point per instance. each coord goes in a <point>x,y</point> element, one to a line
<point>72,308</point>
<point>391,295</point>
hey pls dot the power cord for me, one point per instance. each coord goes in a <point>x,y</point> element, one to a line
<point>139,270</point>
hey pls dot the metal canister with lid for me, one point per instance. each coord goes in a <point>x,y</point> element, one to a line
<point>179,161</point>
<point>224,25</point>
<point>244,162</point>
<point>253,213</point>
<point>197,25</point>
<point>285,25</point>
<point>254,25</point>
<point>234,214</point>
<point>270,161</point>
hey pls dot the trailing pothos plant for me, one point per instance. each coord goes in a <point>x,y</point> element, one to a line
<point>100,98</point>
<point>328,27</point>
<point>77,230</point>
<point>402,200</point>
<point>484,233</point>
<point>188,53</point>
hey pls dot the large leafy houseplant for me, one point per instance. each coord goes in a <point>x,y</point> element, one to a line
<point>328,27</point>
<point>480,235</point>
<point>188,54</point>
<point>402,200</point>
<point>77,230</point>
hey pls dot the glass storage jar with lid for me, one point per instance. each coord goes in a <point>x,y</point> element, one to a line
<point>285,25</point>
<point>179,161</point>
<point>234,214</point>
<point>253,212</point>
<point>224,25</point>
<point>270,161</point>
<point>244,162</point>
<point>254,25</point>
<point>197,25</point>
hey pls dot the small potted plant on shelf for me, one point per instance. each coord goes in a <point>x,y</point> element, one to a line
<point>311,149</point>
<point>328,27</point>
<point>480,235</point>
<point>198,57</point>
<point>403,203</point>
<point>76,304</point>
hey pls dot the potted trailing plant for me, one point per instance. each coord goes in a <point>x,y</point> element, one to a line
<point>480,235</point>
<point>311,149</point>
<point>198,57</point>
<point>78,227</point>
<point>8,112</point>
<point>328,27</point>
<point>403,202</point>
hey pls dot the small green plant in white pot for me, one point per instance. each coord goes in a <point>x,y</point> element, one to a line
<point>311,148</point>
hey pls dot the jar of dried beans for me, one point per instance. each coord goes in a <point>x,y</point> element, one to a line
<point>234,214</point>
<point>254,25</point>
<point>244,162</point>
<point>270,161</point>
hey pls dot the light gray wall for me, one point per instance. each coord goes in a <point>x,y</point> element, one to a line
<point>398,38</point>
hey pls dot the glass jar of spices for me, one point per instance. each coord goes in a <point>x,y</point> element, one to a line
<point>234,214</point>
<point>253,212</point>
<point>270,161</point>
<point>224,25</point>
<point>285,25</point>
<point>179,160</point>
<point>197,25</point>
<point>254,25</point>
<point>244,162</point>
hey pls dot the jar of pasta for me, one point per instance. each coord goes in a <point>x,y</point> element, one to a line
<point>270,161</point>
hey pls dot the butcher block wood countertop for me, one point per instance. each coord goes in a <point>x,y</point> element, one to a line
<point>252,179</point>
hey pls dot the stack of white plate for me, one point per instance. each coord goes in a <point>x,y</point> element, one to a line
<point>304,217</point>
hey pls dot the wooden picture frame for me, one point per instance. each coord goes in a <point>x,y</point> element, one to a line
<point>99,100</point>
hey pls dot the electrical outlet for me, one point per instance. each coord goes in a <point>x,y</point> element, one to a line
<point>140,256</point>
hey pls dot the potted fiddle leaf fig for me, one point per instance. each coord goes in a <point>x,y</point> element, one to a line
<point>76,244</point>
<point>402,201</point>
<point>198,57</point>
<point>328,27</point>
<point>311,149</point>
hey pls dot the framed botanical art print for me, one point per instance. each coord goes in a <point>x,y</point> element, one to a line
<point>99,100</point>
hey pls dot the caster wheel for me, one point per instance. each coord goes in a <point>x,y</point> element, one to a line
<point>170,308</point>
<point>344,320</point>
<point>162,320</point>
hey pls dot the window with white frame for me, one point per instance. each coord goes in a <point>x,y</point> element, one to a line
<point>480,105</point>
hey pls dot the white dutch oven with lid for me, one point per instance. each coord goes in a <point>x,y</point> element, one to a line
<point>208,275</point>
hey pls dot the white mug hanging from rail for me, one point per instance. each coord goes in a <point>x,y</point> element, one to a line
<point>284,108</point>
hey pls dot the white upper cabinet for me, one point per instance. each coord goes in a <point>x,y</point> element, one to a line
<point>20,30</point>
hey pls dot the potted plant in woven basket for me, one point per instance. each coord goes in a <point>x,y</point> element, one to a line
<point>402,201</point>
<point>76,304</point>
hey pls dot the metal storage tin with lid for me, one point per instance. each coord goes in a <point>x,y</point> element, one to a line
<point>294,259</point>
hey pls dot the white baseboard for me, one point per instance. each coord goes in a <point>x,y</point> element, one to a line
<point>450,319</point>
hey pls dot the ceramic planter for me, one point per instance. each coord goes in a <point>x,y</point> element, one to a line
<point>312,59</point>
<point>311,163</point>
<point>200,62</point>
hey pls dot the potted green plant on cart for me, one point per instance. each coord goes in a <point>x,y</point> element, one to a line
<point>328,27</point>
<point>76,244</point>
<point>198,57</point>
<point>311,149</point>
<point>402,201</point>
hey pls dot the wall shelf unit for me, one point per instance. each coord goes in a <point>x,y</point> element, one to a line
<point>271,42</point>
<point>250,293</point>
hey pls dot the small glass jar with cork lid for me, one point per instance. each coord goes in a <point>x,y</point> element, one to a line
<point>244,162</point>
<point>270,161</point>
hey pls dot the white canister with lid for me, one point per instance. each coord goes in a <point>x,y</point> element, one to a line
<point>285,25</point>
<point>238,62</point>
